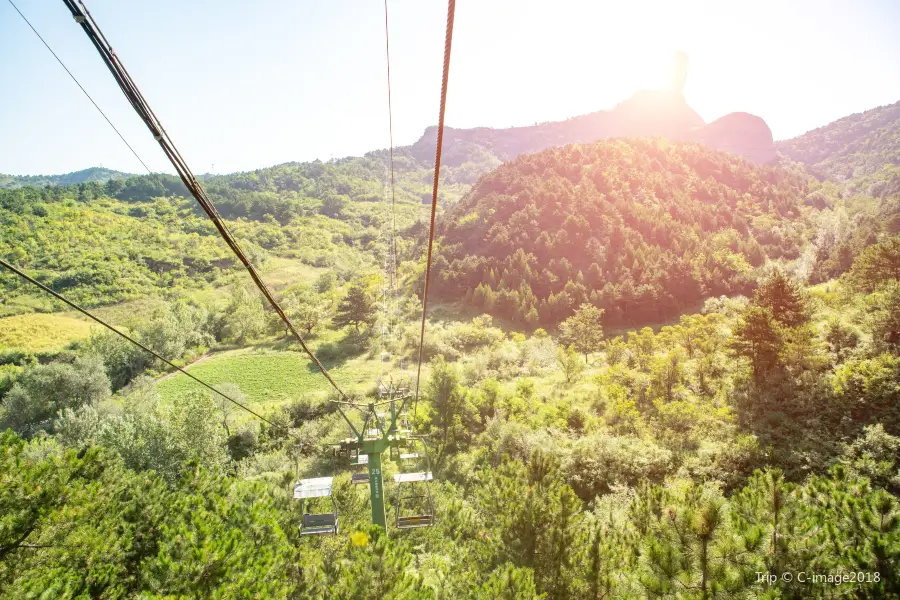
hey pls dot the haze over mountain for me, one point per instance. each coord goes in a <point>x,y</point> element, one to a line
<point>649,113</point>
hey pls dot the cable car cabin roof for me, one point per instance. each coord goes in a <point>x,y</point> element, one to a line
<point>313,488</point>
<point>412,477</point>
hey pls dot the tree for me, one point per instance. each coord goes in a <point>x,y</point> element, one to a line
<point>451,414</point>
<point>333,205</point>
<point>357,308</point>
<point>33,490</point>
<point>244,317</point>
<point>175,329</point>
<point>109,532</point>
<point>43,390</point>
<point>642,344</point>
<point>841,339</point>
<point>875,455</point>
<point>876,265</point>
<point>303,308</point>
<point>615,350</point>
<point>584,330</point>
<point>509,582</point>
<point>226,407</point>
<point>757,337</point>
<point>784,298</point>
<point>884,317</point>
<point>569,363</point>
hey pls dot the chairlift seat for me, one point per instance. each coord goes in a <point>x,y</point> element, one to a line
<point>413,521</point>
<point>319,524</point>
<point>359,478</point>
<point>409,456</point>
<point>361,459</point>
<point>413,477</point>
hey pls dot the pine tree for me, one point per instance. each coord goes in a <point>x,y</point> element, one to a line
<point>758,338</point>
<point>784,298</point>
<point>357,308</point>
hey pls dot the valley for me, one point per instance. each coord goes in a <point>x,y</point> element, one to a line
<point>660,354</point>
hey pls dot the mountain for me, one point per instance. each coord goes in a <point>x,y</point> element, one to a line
<point>646,113</point>
<point>641,227</point>
<point>856,146</point>
<point>739,133</point>
<point>98,174</point>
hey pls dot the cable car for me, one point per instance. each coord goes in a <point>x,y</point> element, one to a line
<point>317,523</point>
<point>414,505</point>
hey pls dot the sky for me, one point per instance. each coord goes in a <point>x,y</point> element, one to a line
<point>244,85</point>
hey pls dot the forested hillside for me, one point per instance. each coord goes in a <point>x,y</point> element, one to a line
<point>103,243</point>
<point>93,174</point>
<point>856,146</point>
<point>641,228</point>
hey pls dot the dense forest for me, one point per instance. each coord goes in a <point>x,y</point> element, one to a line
<point>643,229</point>
<point>853,147</point>
<point>653,370</point>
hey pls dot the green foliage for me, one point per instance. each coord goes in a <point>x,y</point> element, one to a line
<point>870,389</point>
<point>357,308</point>
<point>244,317</point>
<point>876,265</point>
<point>758,337</point>
<point>452,413</point>
<point>599,463</point>
<point>43,390</point>
<point>76,524</point>
<point>303,308</point>
<point>584,330</point>
<point>656,226</point>
<point>783,298</point>
<point>150,436</point>
<point>850,147</point>
<point>569,363</point>
<point>884,317</point>
<point>875,455</point>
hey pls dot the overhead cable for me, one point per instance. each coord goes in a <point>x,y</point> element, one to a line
<point>75,79</point>
<point>448,39</point>
<point>83,17</point>
<point>124,335</point>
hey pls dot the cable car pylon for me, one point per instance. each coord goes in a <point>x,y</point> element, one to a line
<point>374,438</point>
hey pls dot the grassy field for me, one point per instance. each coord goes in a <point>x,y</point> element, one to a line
<point>272,377</point>
<point>40,332</point>
<point>282,272</point>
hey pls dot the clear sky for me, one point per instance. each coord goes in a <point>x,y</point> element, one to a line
<point>242,85</point>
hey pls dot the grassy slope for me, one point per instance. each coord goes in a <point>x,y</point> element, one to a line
<point>273,377</point>
<point>39,332</point>
<point>42,332</point>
